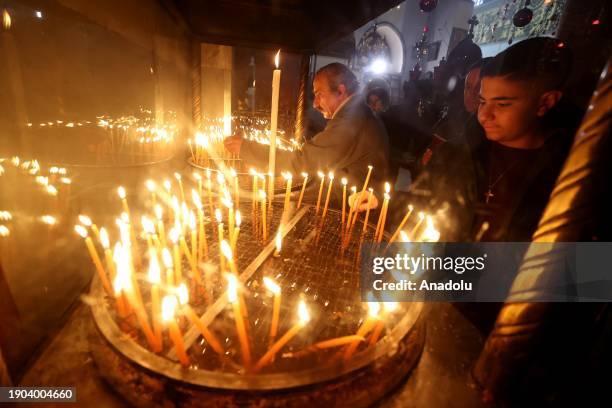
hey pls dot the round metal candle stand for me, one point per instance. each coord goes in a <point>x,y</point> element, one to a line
<point>145,379</point>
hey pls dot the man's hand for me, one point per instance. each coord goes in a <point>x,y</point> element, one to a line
<point>363,204</point>
<point>233,144</point>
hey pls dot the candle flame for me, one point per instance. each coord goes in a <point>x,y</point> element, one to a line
<point>150,184</point>
<point>305,175</point>
<point>65,180</point>
<point>303,314</point>
<point>271,285</point>
<point>227,250</point>
<point>321,174</point>
<point>277,59</point>
<point>238,219</point>
<point>330,175</point>
<point>169,304</point>
<point>354,189</point>
<point>104,238</point>
<point>287,175</point>
<point>390,306</point>
<point>404,237</point>
<point>177,176</point>
<point>4,231</point>
<point>218,215</point>
<point>279,240</point>
<point>174,234</point>
<point>147,225</point>
<point>344,181</point>
<point>387,188</point>
<point>262,194</point>
<point>51,190</point>
<point>167,185</point>
<point>192,220</point>
<point>195,197</point>
<point>232,288</point>
<point>121,192</point>
<point>85,220</point>
<point>158,212</point>
<point>167,258</point>
<point>154,274</point>
<point>373,309</point>
<point>431,234</point>
<point>233,173</point>
<point>81,230</point>
<point>183,294</point>
<point>5,216</point>
<point>421,215</point>
<point>197,176</point>
<point>6,19</point>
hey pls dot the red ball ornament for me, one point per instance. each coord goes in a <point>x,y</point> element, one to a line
<point>428,5</point>
<point>522,17</point>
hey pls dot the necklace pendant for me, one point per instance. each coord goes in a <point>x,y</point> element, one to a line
<point>488,195</point>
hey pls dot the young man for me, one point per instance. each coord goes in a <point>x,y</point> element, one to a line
<point>504,178</point>
<point>352,139</point>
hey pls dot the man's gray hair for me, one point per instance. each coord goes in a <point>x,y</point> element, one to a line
<point>337,74</point>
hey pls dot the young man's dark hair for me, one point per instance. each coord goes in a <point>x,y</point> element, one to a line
<point>544,61</point>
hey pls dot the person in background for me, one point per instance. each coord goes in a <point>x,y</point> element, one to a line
<point>352,139</point>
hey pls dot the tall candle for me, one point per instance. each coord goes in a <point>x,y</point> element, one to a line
<point>108,257</point>
<point>322,177</point>
<point>95,258</point>
<point>160,224</point>
<point>174,236</point>
<point>289,178</point>
<point>344,182</point>
<point>303,319</point>
<point>169,305</point>
<point>415,229</point>
<point>276,291</point>
<point>401,224</point>
<point>150,184</point>
<point>211,339</point>
<point>85,220</point>
<point>276,76</point>
<point>219,218</point>
<point>329,188</point>
<point>367,217</point>
<point>365,328</point>
<point>236,188</point>
<point>383,218</point>
<point>227,253</point>
<point>178,178</point>
<point>167,259</point>
<point>154,277</point>
<point>122,195</point>
<point>234,238</point>
<point>234,299</point>
<point>264,222</point>
<point>305,175</point>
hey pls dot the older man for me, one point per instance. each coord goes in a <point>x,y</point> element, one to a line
<point>352,139</point>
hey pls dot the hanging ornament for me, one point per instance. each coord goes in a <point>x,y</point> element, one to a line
<point>523,16</point>
<point>428,5</point>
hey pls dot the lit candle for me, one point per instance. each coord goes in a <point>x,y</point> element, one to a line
<point>108,257</point>
<point>352,208</point>
<point>278,242</point>
<point>183,298</point>
<point>276,76</point>
<point>288,177</point>
<point>254,191</point>
<point>167,259</point>
<point>305,175</point>
<point>264,222</point>
<point>415,229</point>
<point>154,276</point>
<point>322,177</point>
<point>160,224</point>
<point>401,225</point>
<point>82,231</point>
<point>220,237</point>
<point>389,307</point>
<point>344,182</point>
<point>178,178</point>
<point>122,195</point>
<point>367,217</point>
<point>174,235</point>
<point>234,239</point>
<point>85,220</point>
<point>234,299</point>
<point>276,291</point>
<point>366,326</point>
<point>202,242</point>
<point>381,216</point>
<point>198,177</point>
<point>236,189</point>
<point>169,305</point>
<point>431,234</point>
<point>363,189</point>
<point>329,188</point>
<point>227,253</point>
<point>149,229</point>
<point>150,184</point>
<point>303,319</point>
<point>338,341</point>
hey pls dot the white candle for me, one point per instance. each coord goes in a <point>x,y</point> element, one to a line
<point>276,76</point>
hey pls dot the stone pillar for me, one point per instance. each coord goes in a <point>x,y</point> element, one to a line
<point>216,83</point>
